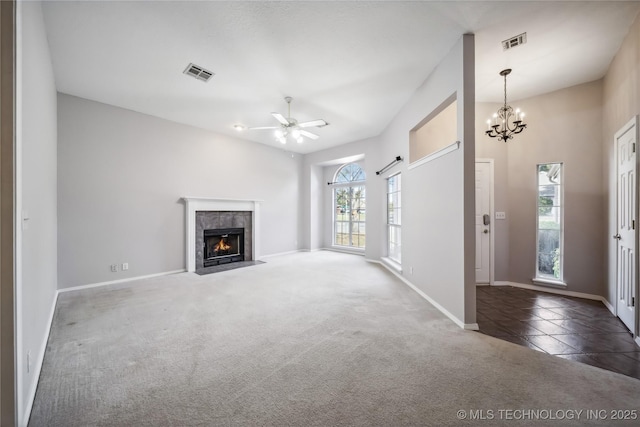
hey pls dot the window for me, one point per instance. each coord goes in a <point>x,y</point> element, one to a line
<point>349,201</point>
<point>550,222</point>
<point>394,186</point>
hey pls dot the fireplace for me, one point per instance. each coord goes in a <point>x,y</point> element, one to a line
<point>223,246</point>
<point>208,214</point>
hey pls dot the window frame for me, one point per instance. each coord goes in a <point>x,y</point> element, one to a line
<point>397,225</point>
<point>542,278</point>
<point>341,183</point>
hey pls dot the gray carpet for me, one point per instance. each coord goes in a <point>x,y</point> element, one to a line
<point>310,339</point>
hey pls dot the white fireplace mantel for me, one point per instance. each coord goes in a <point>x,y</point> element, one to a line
<point>194,204</point>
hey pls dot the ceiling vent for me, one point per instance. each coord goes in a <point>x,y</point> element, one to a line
<point>514,41</point>
<point>198,72</point>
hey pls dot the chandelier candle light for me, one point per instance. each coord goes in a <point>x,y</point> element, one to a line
<point>506,123</point>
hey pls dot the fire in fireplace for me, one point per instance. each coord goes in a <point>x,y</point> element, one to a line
<point>223,245</point>
<point>221,248</point>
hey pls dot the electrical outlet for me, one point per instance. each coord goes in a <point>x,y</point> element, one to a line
<point>114,268</point>
<point>501,215</point>
<point>125,266</point>
<point>28,361</point>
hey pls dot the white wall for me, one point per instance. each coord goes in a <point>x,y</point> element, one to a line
<point>438,232</point>
<point>121,177</point>
<point>438,241</point>
<point>317,207</point>
<point>36,194</point>
<point>621,96</point>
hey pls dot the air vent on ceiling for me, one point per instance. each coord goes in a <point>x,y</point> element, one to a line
<point>514,41</point>
<point>198,72</point>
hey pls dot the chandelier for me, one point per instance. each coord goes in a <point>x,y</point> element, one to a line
<point>506,123</point>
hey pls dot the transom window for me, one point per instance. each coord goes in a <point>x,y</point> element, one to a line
<point>350,173</point>
<point>549,260</point>
<point>349,202</point>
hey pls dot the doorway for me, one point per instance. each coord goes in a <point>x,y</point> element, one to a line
<point>484,221</point>
<point>626,218</point>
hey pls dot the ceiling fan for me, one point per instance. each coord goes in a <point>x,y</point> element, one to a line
<point>290,126</point>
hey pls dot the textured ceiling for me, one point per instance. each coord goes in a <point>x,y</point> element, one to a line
<point>351,63</point>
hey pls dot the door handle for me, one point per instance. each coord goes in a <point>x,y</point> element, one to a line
<point>486,219</point>
<point>617,236</point>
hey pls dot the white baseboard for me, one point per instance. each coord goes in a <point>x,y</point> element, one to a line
<point>128,279</point>
<point>283,253</point>
<point>460,323</point>
<point>39,362</point>
<point>559,292</point>
<point>501,283</point>
<point>609,306</point>
<point>388,262</point>
<point>344,251</point>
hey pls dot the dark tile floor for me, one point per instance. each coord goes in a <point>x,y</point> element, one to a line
<point>572,328</point>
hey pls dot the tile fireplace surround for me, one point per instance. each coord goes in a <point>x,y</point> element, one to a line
<point>197,204</point>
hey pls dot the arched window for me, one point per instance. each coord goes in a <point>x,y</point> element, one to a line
<point>349,203</point>
<point>351,172</point>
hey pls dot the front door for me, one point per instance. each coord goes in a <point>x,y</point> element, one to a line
<point>483,221</point>
<point>626,284</point>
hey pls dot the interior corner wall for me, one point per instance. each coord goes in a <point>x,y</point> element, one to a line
<point>621,99</point>
<point>36,190</point>
<point>121,177</point>
<point>316,190</point>
<point>437,203</point>
<point>319,212</point>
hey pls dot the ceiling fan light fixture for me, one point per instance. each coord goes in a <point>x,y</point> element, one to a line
<point>289,126</point>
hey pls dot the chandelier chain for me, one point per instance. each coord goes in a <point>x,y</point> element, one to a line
<point>505,91</point>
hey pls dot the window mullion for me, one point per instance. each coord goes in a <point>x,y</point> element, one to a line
<point>349,180</point>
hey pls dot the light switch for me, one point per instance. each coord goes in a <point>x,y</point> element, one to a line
<point>501,215</point>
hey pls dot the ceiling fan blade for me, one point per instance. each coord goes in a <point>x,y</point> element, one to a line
<point>309,134</point>
<point>264,127</point>
<point>279,117</point>
<point>316,123</point>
